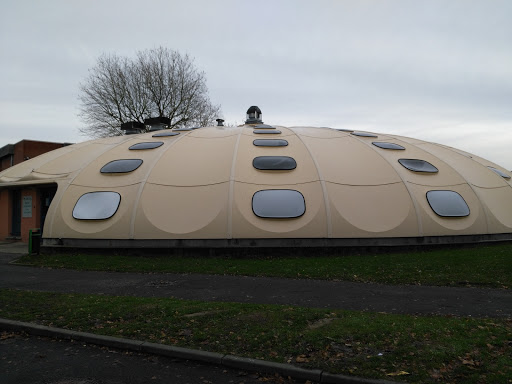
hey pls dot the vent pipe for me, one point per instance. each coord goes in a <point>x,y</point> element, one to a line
<point>254,115</point>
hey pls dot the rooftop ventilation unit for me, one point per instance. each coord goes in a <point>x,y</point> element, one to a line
<point>157,123</point>
<point>132,128</point>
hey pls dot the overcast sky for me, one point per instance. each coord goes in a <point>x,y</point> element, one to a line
<point>434,70</point>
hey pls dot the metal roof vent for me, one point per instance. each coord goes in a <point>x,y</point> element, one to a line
<point>254,115</point>
<point>157,123</point>
<point>220,122</point>
<point>132,127</point>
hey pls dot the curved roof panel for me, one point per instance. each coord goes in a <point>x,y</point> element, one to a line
<point>206,184</point>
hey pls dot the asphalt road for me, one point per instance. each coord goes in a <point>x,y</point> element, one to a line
<point>408,299</point>
<point>31,360</point>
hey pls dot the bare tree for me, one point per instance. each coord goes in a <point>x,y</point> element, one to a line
<point>157,83</point>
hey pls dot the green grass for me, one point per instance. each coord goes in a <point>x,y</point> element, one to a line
<point>483,266</point>
<point>373,345</point>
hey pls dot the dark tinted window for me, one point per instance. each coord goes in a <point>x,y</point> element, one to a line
<point>502,174</point>
<point>278,204</point>
<point>270,143</point>
<point>147,145</point>
<point>121,166</point>
<point>418,165</point>
<point>96,206</point>
<point>271,131</point>
<point>343,130</point>
<point>263,126</point>
<point>384,145</point>
<point>283,163</point>
<point>165,134</point>
<point>447,203</point>
<point>363,134</point>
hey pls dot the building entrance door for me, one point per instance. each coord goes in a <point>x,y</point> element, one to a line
<point>16,213</point>
<point>46,195</point>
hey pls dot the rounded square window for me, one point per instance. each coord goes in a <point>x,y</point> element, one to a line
<point>344,130</point>
<point>147,145</point>
<point>385,145</point>
<point>278,204</point>
<point>270,143</point>
<point>269,131</point>
<point>502,174</point>
<point>447,203</point>
<point>363,134</point>
<point>418,165</point>
<point>275,163</point>
<point>121,166</point>
<point>166,134</point>
<point>264,126</point>
<point>96,206</point>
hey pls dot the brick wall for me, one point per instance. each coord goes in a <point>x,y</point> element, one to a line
<point>29,149</point>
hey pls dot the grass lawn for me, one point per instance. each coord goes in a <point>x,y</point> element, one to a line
<point>386,346</point>
<point>481,266</point>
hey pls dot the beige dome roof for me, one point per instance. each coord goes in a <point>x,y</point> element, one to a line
<point>214,185</point>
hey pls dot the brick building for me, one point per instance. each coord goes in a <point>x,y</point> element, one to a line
<point>24,207</point>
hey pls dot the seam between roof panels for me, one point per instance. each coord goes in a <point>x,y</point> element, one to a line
<point>478,186</point>
<point>327,205</point>
<point>144,181</point>
<point>438,186</point>
<point>327,181</point>
<point>188,186</point>
<point>108,186</point>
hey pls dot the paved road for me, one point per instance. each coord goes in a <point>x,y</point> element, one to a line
<point>308,293</point>
<point>31,359</point>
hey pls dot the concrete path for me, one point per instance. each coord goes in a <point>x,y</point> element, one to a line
<point>421,300</point>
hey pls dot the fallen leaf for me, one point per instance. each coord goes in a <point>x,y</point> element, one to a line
<point>436,375</point>
<point>399,373</point>
<point>301,359</point>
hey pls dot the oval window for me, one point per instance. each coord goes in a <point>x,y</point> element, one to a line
<point>147,145</point>
<point>96,206</point>
<point>363,134</point>
<point>121,166</point>
<point>277,163</point>
<point>270,143</point>
<point>264,126</point>
<point>418,165</point>
<point>278,204</point>
<point>385,145</point>
<point>502,174</point>
<point>270,131</point>
<point>165,134</point>
<point>447,203</point>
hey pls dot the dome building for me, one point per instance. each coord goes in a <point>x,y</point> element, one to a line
<point>259,185</point>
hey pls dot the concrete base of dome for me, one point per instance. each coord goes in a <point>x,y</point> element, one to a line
<point>265,246</point>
